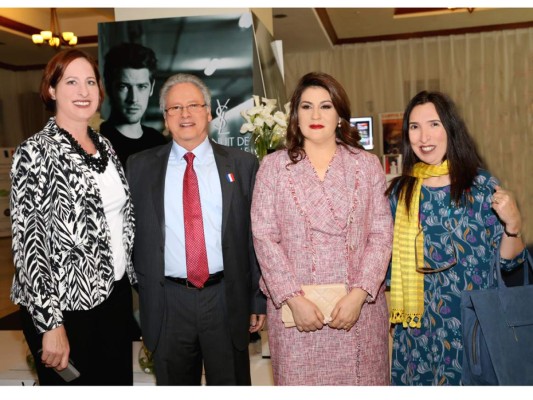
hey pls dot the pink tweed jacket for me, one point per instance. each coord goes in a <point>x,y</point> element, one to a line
<point>280,228</point>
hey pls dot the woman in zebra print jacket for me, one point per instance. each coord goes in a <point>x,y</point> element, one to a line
<point>73,227</point>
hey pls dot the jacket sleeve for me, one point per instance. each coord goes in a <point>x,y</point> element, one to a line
<point>275,268</point>
<point>377,251</point>
<point>31,204</point>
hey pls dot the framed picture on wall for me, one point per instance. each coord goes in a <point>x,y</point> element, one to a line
<point>392,164</point>
<point>365,129</point>
<point>391,131</point>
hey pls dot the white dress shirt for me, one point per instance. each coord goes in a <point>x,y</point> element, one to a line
<point>211,202</point>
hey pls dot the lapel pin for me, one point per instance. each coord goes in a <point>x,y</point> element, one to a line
<point>230,177</point>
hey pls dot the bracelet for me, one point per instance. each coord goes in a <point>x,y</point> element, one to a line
<point>514,235</point>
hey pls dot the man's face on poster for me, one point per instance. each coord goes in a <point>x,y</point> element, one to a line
<point>130,93</point>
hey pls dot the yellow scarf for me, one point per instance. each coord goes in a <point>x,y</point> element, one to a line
<point>407,285</point>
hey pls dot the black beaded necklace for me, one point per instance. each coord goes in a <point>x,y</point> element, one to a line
<point>97,164</point>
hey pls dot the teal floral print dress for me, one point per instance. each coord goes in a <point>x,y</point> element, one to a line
<point>461,241</point>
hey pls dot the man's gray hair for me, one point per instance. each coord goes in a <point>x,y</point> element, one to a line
<point>183,78</point>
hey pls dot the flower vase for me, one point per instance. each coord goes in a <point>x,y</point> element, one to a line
<point>264,143</point>
<point>260,146</point>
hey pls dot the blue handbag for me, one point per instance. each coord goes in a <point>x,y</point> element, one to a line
<point>497,327</point>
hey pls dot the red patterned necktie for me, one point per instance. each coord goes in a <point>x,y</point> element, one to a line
<point>196,255</point>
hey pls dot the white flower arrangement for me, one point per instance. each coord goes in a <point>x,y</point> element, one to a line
<point>268,128</point>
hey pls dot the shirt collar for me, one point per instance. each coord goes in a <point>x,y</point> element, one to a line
<point>201,152</point>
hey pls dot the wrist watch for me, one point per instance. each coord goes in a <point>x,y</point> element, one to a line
<point>514,235</point>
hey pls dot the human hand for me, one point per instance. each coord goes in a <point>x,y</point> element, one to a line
<point>307,316</point>
<point>346,312</point>
<point>56,348</point>
<point>257,322</point>
<point>504,204</point>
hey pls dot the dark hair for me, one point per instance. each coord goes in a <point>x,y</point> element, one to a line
<point>128,55</point>
<point>54,70</point>
<point>346,134</point>
<point>461,152</point>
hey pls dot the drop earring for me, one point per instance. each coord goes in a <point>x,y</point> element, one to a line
<point>339,124</point>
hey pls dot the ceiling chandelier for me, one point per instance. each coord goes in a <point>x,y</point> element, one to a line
<point>54,36</point>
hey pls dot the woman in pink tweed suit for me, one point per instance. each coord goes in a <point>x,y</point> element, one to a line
<point>319,215</point>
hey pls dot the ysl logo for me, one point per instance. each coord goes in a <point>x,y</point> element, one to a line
<point>221,114</point>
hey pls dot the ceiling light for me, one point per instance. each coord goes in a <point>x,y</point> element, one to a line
<point>67,36</point>
<point>37,39</point>
<point>47,35</point>
<point>54,37</point>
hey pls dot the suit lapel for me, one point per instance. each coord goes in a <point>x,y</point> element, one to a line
<point>226,168</point>
<point>158,185</point>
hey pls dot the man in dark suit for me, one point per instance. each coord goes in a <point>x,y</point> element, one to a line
<point>187,324</point>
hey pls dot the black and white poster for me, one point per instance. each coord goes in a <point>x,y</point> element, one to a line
<point>219,49</point>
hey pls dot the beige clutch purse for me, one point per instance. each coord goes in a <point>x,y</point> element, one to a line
<point>324,296</point>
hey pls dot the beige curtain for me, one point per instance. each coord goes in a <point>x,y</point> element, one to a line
<point>33,113</point>
<point>21,114</point>
<point>489,75</point>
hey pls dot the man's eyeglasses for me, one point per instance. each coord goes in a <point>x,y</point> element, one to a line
<point>192,108</point>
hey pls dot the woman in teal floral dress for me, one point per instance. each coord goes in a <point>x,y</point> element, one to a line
<point>450,218</point>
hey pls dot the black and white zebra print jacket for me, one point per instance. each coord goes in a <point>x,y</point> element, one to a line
<point>61,240</point>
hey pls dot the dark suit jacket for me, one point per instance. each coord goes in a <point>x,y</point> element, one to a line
<point>146,176</point>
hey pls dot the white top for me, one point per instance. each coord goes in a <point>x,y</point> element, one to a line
<point>114,200</point>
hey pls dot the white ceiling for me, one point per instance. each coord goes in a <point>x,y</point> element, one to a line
<point>303,29</point>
